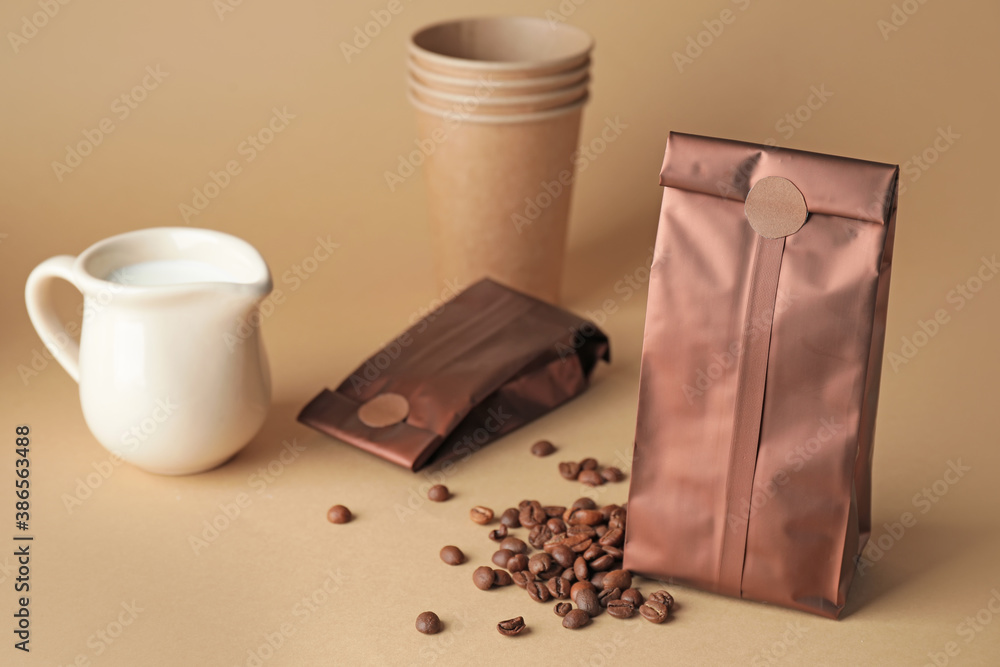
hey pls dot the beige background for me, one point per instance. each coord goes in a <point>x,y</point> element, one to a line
<point>323,176</point>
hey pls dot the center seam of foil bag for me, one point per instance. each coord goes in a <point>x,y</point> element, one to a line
<point>751,377</point>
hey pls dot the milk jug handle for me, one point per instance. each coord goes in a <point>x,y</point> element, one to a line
<point>41,311</point>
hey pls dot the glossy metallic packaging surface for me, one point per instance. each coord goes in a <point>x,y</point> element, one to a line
<point>760,376</point>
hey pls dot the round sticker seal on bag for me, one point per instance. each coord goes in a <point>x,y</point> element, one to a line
<point>775,207</point>
<point>384,410</point>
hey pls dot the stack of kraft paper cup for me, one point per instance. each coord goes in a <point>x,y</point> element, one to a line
<point>499,102</point>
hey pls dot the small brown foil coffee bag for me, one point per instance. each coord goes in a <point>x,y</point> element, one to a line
<point>760,373</point>
<point>476,368</point>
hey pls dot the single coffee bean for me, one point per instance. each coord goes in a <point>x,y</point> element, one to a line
<point>562,608</point>
<point>588,464</point>
<point>600,530</point>
<point>517,562</point>
<point>613,538</point>
<point>542,448</point>
<point>501,556</point>
<point>653,611</point>
<point>587,600</point>
<point>481,515</point>
<point>522,578</point>
<point>592,552</point>
<point>532,515</point>
<point>617,519</point>
<point>452,555</point>
<point>584,503</point>
<point>511,627</point>
<point>563,555</point>
<point>539,535</point>
<point>612,474</point>
<point>553,511</point>
<point>590,477</point>
<point>556,525</point>
<point>605,562</point>
<point>607,510</point>
<point>663,597</point>
<point>618,579</point>
<point>581,529</point>
<point>339,514</point>
<point>598,580</point>
<point>439,493</point>
<point>633,596</point>
<point>609,594</point>
<point>483,577</point>
<point>621,608</point>
<point>576,618</point>
<point>569,470</point>
<point>580,586</point>
<point>497,534</point>
<point>586,517</point>
<point>502,578</point>
<point>569,575</point>
<point>578,543</point>
<point>581,569</point>
<point>524,503</point>
<point>514,544</point>
<point>428,623</point>
<point>559,588</point>
<point>614,552</point>
<point>539,563</point>
<point>509,518</point>
<point>538,591</point>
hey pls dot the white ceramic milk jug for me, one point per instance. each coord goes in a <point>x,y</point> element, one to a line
<point>172,369</point>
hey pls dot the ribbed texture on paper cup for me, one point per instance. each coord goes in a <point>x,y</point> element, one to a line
<point>483,102</point>
<point>498,87</point>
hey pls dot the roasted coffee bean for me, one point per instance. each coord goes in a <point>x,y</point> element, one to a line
<point>607,510</point>
<point>617,519</point>
<point>585,517</point>
<point>614,552</point>
<point>553,511</point>
<point>569,575</point>
<point>524,503</point>
<point>587,600</point>
<point>539,535</point>
<point>600,530</point>
<point>554,541</point>
<point>605,562</point>
<point>514,544</point>
<point>663,597</point>
<point>609,594</point>
<point>618,579</point>
<point>438,493</point>
<point>578,543</point>
<point>559,588</point>
<point>590,477</point>
<point>613,538</point>
<point>563,555</point>
<point>510,519</point>
<point>522,578</point>
<point>539,563</point>
<point>556,525</point>
<point>483,577</point>
<point>580,586</point>
<point>569,470</point>
<point>542,448</point>
<point>532,515</point>
<point>481,515</point>
<point>581,529</point>
<point>497,534</point>
<point>501,556</point>
<point>633,596</point>
<point>562,608</point>
<point>452,555</point>
<point>428,623</point>
<point>538,591</point>
<point>612,474</point>
<point>338,514</point>
<point>653,611</point>
<point>580,568</point>
<point>502,578</point>
<point>621,608</point>
<point>576,618</point>
<point>511,627</point>
<point>588,464</point>
<point>517,563</point>
<point>592,552</point>
<point>584,503</point>
<point>598,580</point>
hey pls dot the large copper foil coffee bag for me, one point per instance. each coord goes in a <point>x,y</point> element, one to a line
<point>486,362</point>
<point>761,361</point>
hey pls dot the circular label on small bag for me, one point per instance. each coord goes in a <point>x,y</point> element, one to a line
<point>384,410</point>
<point>775,207</point>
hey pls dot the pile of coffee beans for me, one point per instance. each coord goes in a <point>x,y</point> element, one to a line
<point>573,555</point>
<point>589,472</point>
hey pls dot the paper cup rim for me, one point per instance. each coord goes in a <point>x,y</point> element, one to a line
<point>513,100</point>
<point>471,64</point>
<point>498,120</point>
<point>552,81</point>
